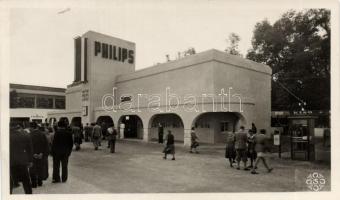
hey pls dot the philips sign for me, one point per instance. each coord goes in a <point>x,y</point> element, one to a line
<point>113,52</point>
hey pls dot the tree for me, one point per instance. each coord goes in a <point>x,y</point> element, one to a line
<point>233,41</point>
<point>297,48</point>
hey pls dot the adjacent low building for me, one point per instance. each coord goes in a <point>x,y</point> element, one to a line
<point>32,103</point>
<point>212,91</point>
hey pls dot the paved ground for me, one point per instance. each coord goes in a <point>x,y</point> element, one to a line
<point>138,167</point>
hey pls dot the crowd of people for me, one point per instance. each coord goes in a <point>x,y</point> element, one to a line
<point>242,145</point>
<point>31,146</point>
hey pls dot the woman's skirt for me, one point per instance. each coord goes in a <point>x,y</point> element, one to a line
<point>230,152</point>
<point>169,149</point>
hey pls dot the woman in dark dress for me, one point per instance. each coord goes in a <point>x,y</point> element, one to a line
<point>230,152</point>
<point>169,145</point>
<point>251,148</point>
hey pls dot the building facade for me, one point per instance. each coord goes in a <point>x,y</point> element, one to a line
<point>32,103</point>
<point>212,91</point>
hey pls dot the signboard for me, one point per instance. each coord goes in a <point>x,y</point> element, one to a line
<point>112,52</point>
<point>36,116</point>
<point>277,139</point>
<point>85,95</point>
<point>84,111</point>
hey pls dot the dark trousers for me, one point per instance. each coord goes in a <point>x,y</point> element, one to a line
<point>36,172</point>
<point>56,168</point>
<point>77,142</point>
<point>20,173</point>
<point>160,138</point>
<point>86,136</point>
<point>112,144</point>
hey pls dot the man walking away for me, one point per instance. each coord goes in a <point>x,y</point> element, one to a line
<point>40,154</point>
<point>61,150</point>
<point>87,131</point>
<point>194,141</point>
<point>96,134</point>
<point>260,146</point>
<point>160,133</point>
<point>241,148</point>
<point>21,158</point>
<point>76,132</point>
<point>112,136</point>
<point>170,145</point>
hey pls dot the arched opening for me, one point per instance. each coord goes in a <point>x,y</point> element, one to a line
<point>76,121</point>
<point>212,127</point>
<point>105,122</point>
<point>133,126</point>
<point>169,121</point>
<point>52,121</point>
<point>65,119</point>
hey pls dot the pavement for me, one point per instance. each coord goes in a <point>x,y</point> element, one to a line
<point>138,167</point>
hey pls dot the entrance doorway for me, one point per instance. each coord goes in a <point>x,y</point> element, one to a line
<point>65,120</point>
<point>105,122</point>
<point>76,121</point>
<point>169,121</point>
<point>133,126</point>
<point>212,127</point>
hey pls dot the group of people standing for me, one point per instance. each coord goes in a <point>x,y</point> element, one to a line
<point>29,151</point>
<point>97,132</point>
<point>30,147</point>
<point>239,146</point>
<point>242,145</point>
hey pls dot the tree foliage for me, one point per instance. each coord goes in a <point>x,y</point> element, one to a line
<point>297,48</point>
<point>233,41</point>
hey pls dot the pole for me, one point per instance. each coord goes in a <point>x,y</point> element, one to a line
<point>280,150</point>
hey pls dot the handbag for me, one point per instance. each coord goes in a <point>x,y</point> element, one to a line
<point>167,150</point>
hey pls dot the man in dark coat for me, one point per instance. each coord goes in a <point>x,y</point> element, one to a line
<point>111,137</point>
<point>76,132</point>
<point>40,153</point>
<point>87,130</point>
<point>21,158</point>
<point>241,148</point>
<point>61,150</point>
<point>160,133</point>
<point>169,145</point>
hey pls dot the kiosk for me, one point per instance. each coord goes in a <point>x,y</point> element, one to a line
<point>301,129</point>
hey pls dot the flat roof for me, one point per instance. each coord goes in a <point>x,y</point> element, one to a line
<point>35,87</point>
<point>203,57</point>
<point>90,32</point>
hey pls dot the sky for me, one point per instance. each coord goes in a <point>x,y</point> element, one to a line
<point>41,39</point>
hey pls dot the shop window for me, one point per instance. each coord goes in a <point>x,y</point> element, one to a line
<point>224,126</point>
<point>60,103</point>
<point>44,102</point>
<point>202,124</point>
<point>168,122</point>
<point>26,101</point>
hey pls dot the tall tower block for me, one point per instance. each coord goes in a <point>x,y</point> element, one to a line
<point>99,59</point>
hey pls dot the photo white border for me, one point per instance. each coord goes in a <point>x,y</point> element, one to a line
<point>333,5</point>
